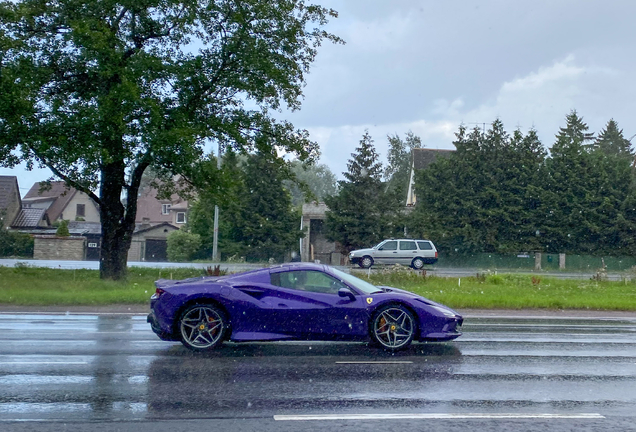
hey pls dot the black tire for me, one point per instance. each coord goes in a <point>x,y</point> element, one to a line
<point>202,327</point>
<point>393,327</point>
<point>366,261</point>
<point>417,263</point>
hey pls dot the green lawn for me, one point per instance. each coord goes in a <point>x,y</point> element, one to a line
<point>43,287</point>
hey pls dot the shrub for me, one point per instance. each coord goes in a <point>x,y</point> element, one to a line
<point>182,245</point>
<point>15,244</point>
<point>62,230</point>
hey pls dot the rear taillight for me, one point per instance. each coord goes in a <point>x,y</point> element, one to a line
<point>157,293</point>
<point>436,254</point>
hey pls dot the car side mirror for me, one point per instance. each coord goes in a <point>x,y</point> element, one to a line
<point>346,292</point>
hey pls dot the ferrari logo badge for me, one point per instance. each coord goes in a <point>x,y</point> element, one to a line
<point>369,300</point>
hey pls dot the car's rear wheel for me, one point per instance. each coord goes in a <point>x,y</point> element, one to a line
<point>366,262</point>
<point>417,263</point>
<point>202,327</point>
<point>393,327</point>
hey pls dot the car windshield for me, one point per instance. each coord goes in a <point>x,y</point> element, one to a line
<point>359,284</point>
<point>379,244</point>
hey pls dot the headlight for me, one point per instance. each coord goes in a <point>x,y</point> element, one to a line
<point>444,311</point>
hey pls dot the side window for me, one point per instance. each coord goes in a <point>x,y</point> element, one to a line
<point>312,281</point>
<point>390,245</point>
<point>425,245</point>
<point>407,245</point>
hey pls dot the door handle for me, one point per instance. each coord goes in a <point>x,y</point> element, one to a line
<point>282,305</point>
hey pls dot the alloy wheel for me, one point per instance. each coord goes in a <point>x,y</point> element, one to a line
<point>202,327</point>
<point>393,328</point>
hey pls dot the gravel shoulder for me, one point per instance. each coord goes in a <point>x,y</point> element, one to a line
<point>137,309</point>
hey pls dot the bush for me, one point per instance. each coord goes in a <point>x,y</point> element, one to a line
<point>62,229</point>
<point>15,244</point>
<point>182,245</point>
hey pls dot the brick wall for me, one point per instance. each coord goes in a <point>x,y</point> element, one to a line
<point>49,247</point>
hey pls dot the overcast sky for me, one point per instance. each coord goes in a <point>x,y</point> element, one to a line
<point>427,66</point>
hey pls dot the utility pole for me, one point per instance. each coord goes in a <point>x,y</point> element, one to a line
<point>215,243</point>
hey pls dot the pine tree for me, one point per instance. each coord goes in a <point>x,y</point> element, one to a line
<point>359,216</point>
<point>571,171</point>
<point>269,226</point>
<point>226,191</point>
<point>610,141</point>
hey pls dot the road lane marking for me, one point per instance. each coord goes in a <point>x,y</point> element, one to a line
<point>442,416</point>
<point>374,362</point>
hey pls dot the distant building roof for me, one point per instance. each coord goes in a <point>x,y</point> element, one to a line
<point>140,228</point>
<point>423,157</point>
<point>85,227</point>
<point>29,218</point>
<point>8,184</point>
<point>60,191</point>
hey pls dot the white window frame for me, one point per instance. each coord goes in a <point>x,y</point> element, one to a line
<point>165,209</point>
<point>184,218</point>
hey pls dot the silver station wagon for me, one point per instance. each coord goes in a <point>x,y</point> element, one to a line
<point>408,252</point>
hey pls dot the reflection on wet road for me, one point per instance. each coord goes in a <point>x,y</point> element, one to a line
<point>112,368</point>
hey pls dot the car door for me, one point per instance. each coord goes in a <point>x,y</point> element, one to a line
<point>387,253</point>
<point>407,251</point>
<point>313,309</point>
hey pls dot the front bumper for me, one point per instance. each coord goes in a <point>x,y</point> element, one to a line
<point>451,330</point>
<point>354,260</point>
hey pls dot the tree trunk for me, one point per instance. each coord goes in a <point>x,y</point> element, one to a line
<point>116,240</point>
<point>118,221</point>
<point>117,224</point>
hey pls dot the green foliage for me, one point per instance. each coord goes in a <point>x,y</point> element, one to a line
<point>182,245</point>
<point>483,197</point>
<point>44,287</point>
<point>99,91</point>
<point>62,229</point>
<point>15,244</point>
<point>269,226</point>
<point>257,220</point>
<point>311,182</point>
<point>361,214</point>
<point>398,169</point>
<point>501,193</point>
<point>611,142</point>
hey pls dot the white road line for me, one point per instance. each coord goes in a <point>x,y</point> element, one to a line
<point>374,362</point>
<point>503,416</point>
<point>43,363</point>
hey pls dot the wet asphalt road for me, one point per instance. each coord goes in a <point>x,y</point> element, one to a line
<point>110,373</point>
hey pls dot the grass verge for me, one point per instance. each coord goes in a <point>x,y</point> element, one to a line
<point>29,286</point>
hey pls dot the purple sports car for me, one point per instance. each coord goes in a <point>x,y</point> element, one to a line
<point>295,301</point>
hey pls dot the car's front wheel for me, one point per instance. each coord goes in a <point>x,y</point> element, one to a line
<point>393,327</point>
<point>202,327</point>
<point>366,262</point>
<point>417,263</point>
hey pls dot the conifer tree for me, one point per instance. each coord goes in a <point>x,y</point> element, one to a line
<point>610,141</point>
<point>269,226</point>
<point>359,215</point>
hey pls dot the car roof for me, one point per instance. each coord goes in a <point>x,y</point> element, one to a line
<point>407,239</point>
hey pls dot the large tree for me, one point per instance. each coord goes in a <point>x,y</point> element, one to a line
<point>100,90</point>
<point>310,182</point>
<point>360,215</point>
<point>611,142</point>
<point>398,168</point>
<point>483,197</point>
